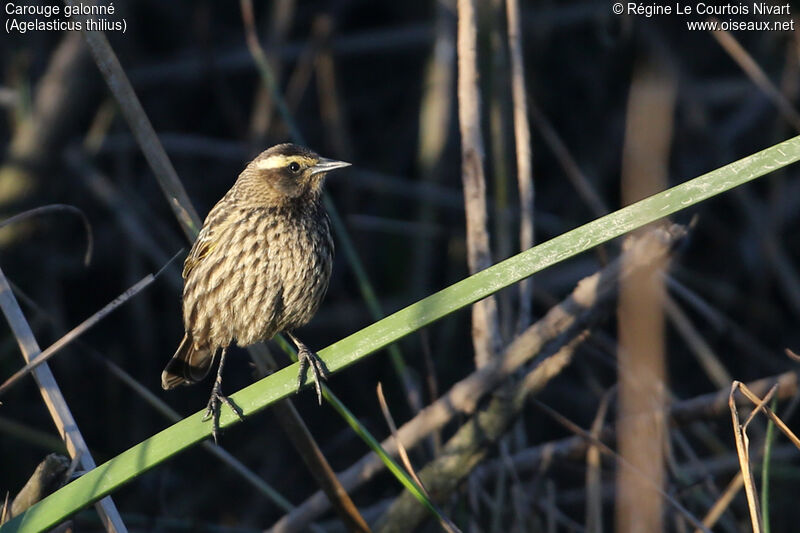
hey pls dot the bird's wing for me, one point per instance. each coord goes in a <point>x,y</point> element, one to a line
<point>200,249</point>
<point>213,228</point>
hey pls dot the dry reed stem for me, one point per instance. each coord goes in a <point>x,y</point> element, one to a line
<point>435,112</point>
<point>300,77</point>
<point>722,503</point>
<point>568,164</point>
<point>56,404</point>
<point>126,214</point>
<point>59,100</point>
<point>761,406</point>
<point>499,132</point>
<point>318,465</point>
<point>444,521</point>
<point>142,129</point>
<point>332,109</point>
<point>594,479</point>
<point>719,321</point>
<point>571,169</point>
<point>732,46</point>
<point>485,324</point>
<point>519,498</point>
<point>774,250</point>
<point>401,450</point>
<point>743,453</point>
<point>693,462</point>
<point>472,441</point>
<point>98,130</point>
<point>50,475</point>
<point>641,440</point>
<point>709,361</point>
<point>432,382</point>
<point>437,104</point>
<point>280,22</point>
<point>702,407</point>
<point>522,139</point>
<point>646,483</point>
<point>550,506</point>
<point>265,71</point>
<point>76,332</point>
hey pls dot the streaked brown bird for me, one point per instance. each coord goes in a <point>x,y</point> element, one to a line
<point>260,265</point>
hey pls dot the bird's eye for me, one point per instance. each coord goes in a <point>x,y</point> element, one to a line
<point>294,167</point>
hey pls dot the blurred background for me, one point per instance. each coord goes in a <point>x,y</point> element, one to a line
<point>619,107</point>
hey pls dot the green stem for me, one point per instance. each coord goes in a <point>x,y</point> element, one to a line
<point>765,467</point>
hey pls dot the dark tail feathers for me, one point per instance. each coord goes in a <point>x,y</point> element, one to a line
<point>188,365</point>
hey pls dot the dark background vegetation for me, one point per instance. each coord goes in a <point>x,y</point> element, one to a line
<point>193,73</point>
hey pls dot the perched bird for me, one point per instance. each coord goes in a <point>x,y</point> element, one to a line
<point>260,265</point>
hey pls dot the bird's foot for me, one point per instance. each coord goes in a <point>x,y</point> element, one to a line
<point>309,359</point>
<point>213,408</point>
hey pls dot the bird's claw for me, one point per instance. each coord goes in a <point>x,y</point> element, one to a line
<point>213,408</point>
<point>309,359</point>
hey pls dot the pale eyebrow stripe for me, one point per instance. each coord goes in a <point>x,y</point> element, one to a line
<point>279,161</point>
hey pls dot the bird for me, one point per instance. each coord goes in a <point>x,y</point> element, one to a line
<point>260,266</point>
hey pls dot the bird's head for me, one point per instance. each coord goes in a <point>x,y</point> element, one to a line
<point>287,171</point>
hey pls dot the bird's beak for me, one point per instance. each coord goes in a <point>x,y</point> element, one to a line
<point>326,165</point>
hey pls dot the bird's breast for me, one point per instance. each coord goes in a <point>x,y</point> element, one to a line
<point>267,272</point>
<point>286,276</point>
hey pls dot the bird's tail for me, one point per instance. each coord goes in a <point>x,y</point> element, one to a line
<point>190,364</point>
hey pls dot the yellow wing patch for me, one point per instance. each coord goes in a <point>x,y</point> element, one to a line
<point>199,251</point>
<point>212,232</point>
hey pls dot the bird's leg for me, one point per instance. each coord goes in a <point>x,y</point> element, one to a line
<point>217,398</point>
<point>309,359</point>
